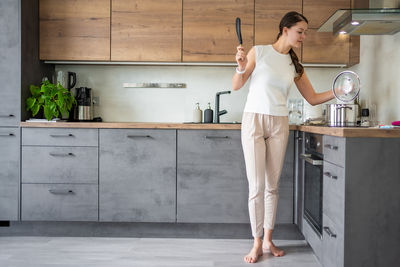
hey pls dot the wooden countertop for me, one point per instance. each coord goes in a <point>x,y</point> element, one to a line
<point>133,125</point>
<point>334,131</point>
<point>351,131</point>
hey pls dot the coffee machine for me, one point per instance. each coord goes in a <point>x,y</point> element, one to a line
<point>84,108</point>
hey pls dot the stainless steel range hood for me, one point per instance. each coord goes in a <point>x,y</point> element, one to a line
<point>382,18</point>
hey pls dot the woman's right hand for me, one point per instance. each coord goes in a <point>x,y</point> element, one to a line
<point>241,58</point>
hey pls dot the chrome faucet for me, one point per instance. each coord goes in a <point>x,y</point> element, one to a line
<point>217,111</point>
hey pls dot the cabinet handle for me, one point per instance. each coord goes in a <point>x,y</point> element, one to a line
<point>328,174</point>
<point>216,137</point>
<point>61,191</point>
<point>7,116</point>
<point>331,147</point>
<point>62,135</point>
<point>138,136</point>
<point>329,232</point>
<point>61,154</point>
<point>7,135</point>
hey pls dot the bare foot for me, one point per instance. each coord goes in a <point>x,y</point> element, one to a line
<point>277,252</point>
<point>254,254</point>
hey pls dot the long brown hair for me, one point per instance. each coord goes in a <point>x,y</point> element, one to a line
<point>290,19</point>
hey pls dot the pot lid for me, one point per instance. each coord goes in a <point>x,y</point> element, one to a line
<point>346,86</point>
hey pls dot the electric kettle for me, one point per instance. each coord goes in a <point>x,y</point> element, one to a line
<point>84,109</point>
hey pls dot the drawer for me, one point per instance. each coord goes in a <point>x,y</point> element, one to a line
<point>332,244</point>
<point>59,202</point>
<point>333,192</point>
<point>59,137</point>
<point>334,150</point>
<point>59,164</point>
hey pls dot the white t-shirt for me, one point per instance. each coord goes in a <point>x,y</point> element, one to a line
<point>270,82</point>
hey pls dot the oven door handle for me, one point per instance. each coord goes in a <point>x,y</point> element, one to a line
<point>315,162</point>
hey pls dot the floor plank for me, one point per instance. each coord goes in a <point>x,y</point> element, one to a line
<point>147,252</point>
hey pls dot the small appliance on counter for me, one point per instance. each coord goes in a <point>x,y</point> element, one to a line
<point>84,109</point>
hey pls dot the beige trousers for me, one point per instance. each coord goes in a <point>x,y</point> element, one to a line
<point>264,140</point>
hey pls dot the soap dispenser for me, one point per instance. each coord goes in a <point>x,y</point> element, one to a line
<point>208,114</point>
<point>197,114</point>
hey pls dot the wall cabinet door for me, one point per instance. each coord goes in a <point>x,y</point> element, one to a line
<point>268,15</point>
<point>74,29</point>
<point>143,30</point>
<point>9,173</point>
<point>324,47</point>
<point>317,11</point>
<point>209,29</point>
<point>137,175</point>
<point>10,65</point>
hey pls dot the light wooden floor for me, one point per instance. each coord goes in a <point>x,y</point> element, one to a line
<point>110,252</point>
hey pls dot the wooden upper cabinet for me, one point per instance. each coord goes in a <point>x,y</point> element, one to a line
<point>74,29</point>
<point>144,30</point>
<point>318,11</point>
<point>209,31</point>
<point>324,47</point>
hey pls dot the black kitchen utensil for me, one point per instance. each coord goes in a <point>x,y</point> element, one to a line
<point>238,31</point>
<point>71,80</point>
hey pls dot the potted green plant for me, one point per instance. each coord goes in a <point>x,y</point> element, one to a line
<point>53,99</point>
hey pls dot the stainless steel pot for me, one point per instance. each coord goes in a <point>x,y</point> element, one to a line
<point>341,114</point>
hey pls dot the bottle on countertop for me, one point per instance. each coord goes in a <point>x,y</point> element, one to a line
<point>208,114</point>
<point>365,117</point>
<point>197,114</point>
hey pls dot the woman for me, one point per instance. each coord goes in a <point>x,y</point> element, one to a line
<point>265,129</point>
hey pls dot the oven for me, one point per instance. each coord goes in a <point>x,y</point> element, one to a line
<point>313,179</point>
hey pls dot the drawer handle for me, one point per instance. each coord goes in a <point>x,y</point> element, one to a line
<point>138,136</point>
<point>61,191</point>
<point>61,135</point>
<point>331,147</point>
<point>328,174</point>
<point>6,116</point>
<point>62,154</point>
<point>7,135</point>
<point>329,232</point>
<point>216,137</point>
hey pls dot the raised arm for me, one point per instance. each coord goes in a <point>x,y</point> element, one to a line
<point>245,64</point>
<point>307,91</point>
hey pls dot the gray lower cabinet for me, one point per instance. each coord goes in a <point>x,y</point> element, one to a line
<point>59,178</point>
<point>9,173</point>
<point>211,179</point>
<point>137,175</point>
<point>361,207</point>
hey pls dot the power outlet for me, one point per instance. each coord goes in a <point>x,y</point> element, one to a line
<point>96,101</point>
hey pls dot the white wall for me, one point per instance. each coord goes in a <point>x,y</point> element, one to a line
<point>378,70</point>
